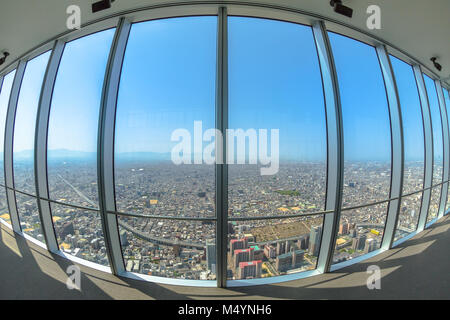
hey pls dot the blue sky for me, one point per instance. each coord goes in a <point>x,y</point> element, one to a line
<point>411,110</point>
<point>168,82</point>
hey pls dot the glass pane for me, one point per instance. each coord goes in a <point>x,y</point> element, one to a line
<point>267,248</point>
<point>438,147</point>
<point>4,211</point>
<point>25,122</point>
<point>30,222</point>
<point>73,124</point>
<point>275,84</point>
<point>167,83</point>
<point>447,103</point>
<point>408,216</point>
<point>365,114</point>
<point>79,233</point>
<point>434,203</point>
<point>360,232</point>
<point>169,248</point>
<point>4,101</point>
<point>412,126</point>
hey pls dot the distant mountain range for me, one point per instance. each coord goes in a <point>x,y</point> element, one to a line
<point>64,154</point>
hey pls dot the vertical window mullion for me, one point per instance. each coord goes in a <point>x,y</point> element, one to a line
<point>335,153</point>
<point>446,143</point>
<point>221,168</point>
<point>105,151</point>
<point>397,148</point>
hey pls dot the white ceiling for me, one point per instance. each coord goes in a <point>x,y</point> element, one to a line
<point>419,27</point>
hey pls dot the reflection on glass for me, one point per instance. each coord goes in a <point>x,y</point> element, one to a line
<point>73,123</point>
<point>167,83</point>
<point>25,122</point>
<point>365,114</point>
<point>435,201</point>
<point>360,232</point>
<point>275,84</point>
<point>30,222</point>
<point>408,217</point>
<point>4,101</point>
<point>166,248</point>
<point>79,233</point>
<point>267,248</point>
<point>412,126</point>
<point>438,147</point>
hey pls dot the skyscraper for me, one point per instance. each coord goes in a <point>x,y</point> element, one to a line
<point>314,240</point>
<point>211,255</point>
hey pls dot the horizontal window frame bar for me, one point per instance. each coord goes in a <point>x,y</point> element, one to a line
<point>246,218</point>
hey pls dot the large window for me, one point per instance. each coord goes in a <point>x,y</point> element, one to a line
<point>73,124</point>
<point>72,141</point>
<point>4,100</point>
<point>167,101</point>
<point>447,104</point>
<point>413,138</point>
<point>165,142</point>
<point>23,145</point>
<point>438,147</point>
<point>367,144</point>
<point>274,84</point>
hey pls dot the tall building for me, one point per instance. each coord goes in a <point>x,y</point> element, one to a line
<point>359,242</point>
<point>289,260</point>
<point>269,251</point>
<point>238,244</point>
<point>211,255</point>
<point>242,255</point>
<point>251,269</point>
<point>314,240</point>
<point>343,228</point>
<point>371,245</point>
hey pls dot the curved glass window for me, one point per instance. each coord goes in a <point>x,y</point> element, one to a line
<point>438,147</point>
<point>72,145</point>
<point>23,145</point>
<point>73,123</point>
<point>4,101</point>
<point>25,123</point>
<point>367,141</point>
<point>274,85</point>
<point>164,174</point>
<point>413,138</point>
<point>447,104</point>
<point>165,107</point>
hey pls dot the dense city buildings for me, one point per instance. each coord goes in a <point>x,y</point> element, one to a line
<point>186,249</point>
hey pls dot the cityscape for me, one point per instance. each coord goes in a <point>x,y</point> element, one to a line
<point>282,242</point>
